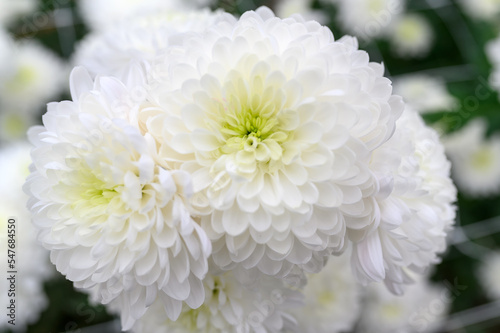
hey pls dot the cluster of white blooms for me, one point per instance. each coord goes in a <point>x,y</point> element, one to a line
<point>411,36</point>
<point>488,274</point>
<point>424,93</point>
<point>29,76</point>
<point>475,158</point>
<point>207,159</point>
<point>31,261</point>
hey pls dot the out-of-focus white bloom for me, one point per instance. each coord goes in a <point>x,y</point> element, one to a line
<point>332,299</point>
<point>411,36</point>
<point>29,79</point>
<point>235,301</point>
<point>142,38</point>
<point>286,8</point>
<point>476,160</point>
<point>367,19</point>
<point>112,216</point>
<point>10,10</point>
<point>100,15</point>
<point>275,121</point>
<point>415,199</point>
<point>31,260</point>
<point>481,9</point>
<point>421,309</point>
<point>424,93</point>
<point>489,273</point>
<point>493,53</point>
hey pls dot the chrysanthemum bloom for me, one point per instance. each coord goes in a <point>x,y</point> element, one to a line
<point>31,261</point>
<point>237,301</point>
<point>367,19</point>
<point>422,309</point>
<point>415,199</point>
<point>488,274</point>
<point>100,15</point>
<point>141,38</point>
<point>275,121</point>
<point>487,10</point>
<point>29,78</point>
<point>411,36</point>
<point>424,93</point>
<point>12,10</point>
<point>332,299</point>
<point>476,159</point>
<point>112,216</point>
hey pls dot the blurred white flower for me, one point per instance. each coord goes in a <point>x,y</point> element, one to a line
<point>411,36</point>
<point>286,8</point>
<point>415,201</point>
<point>99,15</point>
<point>421,309</point>
<point>332,299</point>
<point>475,159</point>
<point>32,261</point>
<point>112,216</point>
<point>30,77</point>
<point>488,10</point>
<point>10,10</point>
<point>493,53</point>
<point>367,19</point>
<point>275,121</point>
<point>142,38</point>
<point>424,93</point>
<point>246,302</point>
<point>489,273</point>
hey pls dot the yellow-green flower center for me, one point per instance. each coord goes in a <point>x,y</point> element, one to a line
<point>94,195</point>
<point>24,76</point>
<point>410,29</point>
<point>482,159</point>
<point>14,125</point>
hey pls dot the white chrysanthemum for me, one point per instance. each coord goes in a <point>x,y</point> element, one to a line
<point>489,273</point>
<point>31,261</point>
<point>367,19</point>
<point>111,52</point>
<point>30,78</point>
<point>415,198</point>
<point>286,8</point>
<point>411,36</point>
<point>332,299</point>
<point>113,218</point>
<point>242,302</point>
<point>421,309</point>
<point>99,15</point>
<point>11,10</point>
<point>476,160</point>
<point>481,9</point>
<point>424,93</point>
<point>275,121</point>
<point>493,53</point>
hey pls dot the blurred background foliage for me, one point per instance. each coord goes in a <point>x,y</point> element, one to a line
<point>457,56</point>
